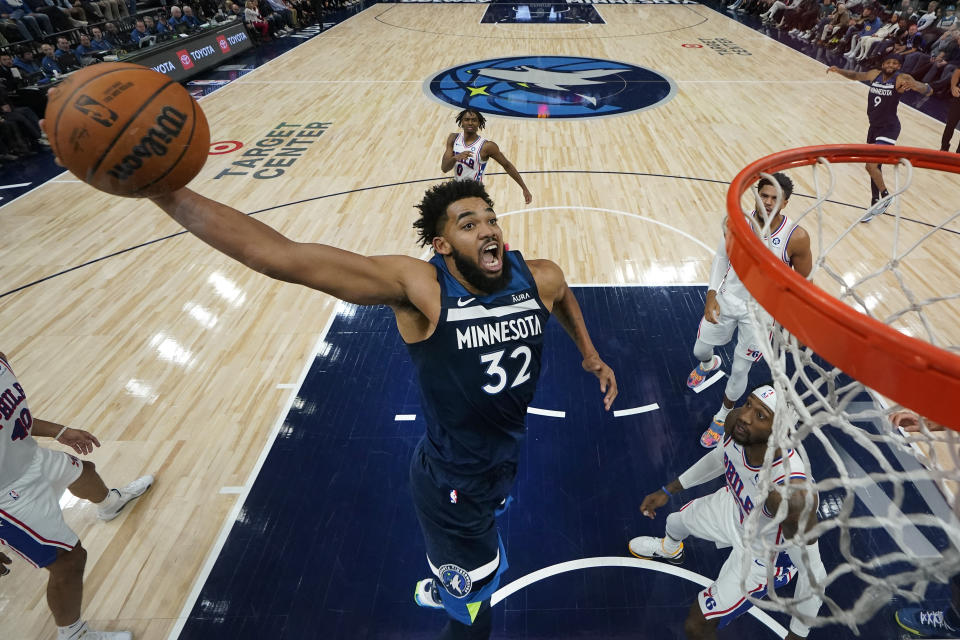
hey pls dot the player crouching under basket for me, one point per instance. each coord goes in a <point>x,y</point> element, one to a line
<point>720,517</point>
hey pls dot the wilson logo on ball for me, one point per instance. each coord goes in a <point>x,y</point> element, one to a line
<point>167,127</point>
<point>97,112</point>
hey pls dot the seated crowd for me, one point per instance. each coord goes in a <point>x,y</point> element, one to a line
<point>924,36</point>
<point>41,40</point>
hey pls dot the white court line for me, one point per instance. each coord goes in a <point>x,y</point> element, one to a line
<point>228,490</point>
<point>286,385</point>
<point>405,417</point>
<point>697,241</point>
<point>547,412</point>
<point>622,561</point>
<point>635,410</point>
<point>231,518</point>
<point>709,381</point>
<point>14,186</point>
<point>639,284</point>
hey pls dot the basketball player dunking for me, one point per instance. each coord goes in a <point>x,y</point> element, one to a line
<point>467,152</point>
<point>473,320</point>
<point>886,85</point>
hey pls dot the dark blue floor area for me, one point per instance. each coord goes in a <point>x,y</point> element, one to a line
<point>327,545</point>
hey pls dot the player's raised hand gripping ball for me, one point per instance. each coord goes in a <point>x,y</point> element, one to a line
<point>127,129</point>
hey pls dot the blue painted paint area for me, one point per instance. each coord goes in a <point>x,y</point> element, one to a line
<point>551,87</point>
<point>327,544</point>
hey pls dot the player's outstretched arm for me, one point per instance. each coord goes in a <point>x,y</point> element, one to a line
<point>558,297</point>
<point>494,152</point>
<point>862,76</point>
<point>905,82</point>
<point>346,275</point>
<point>705,469</point>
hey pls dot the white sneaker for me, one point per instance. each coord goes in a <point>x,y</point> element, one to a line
<point>650,548</point>
<point>133,490</point>
<point>90,634</point>
<point>426,594</point>
<point>876,209</point>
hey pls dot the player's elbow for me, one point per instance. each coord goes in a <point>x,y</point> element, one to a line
<point>273,262</point>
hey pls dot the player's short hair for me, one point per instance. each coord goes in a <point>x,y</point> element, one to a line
<point>483,121</point>
<point>786,184</point>
<point>433,207</point>
<point>889,56</point>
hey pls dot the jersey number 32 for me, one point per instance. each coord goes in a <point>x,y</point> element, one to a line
<point>498,373</point>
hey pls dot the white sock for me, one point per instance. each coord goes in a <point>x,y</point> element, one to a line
<point>709,364</point>
<point>71,631</point>
<point>670,545</point>
<point>113,496</point>
<point>721,415</point>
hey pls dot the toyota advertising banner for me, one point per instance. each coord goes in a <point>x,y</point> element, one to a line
<point>183,58</point>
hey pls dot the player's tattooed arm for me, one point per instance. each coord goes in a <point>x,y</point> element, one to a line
<point>863,76</point>
<point>906,82</point>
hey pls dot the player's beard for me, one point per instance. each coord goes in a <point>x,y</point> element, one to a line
<point>477,277</point>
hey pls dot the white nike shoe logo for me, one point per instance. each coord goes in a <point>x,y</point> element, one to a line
<point>463,303</point>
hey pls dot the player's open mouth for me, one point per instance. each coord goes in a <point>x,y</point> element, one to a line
<point>490,259</point>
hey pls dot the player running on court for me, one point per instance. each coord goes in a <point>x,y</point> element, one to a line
<point>467,152</point>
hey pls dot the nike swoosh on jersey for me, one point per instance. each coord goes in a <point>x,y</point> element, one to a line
<point>463,303</point>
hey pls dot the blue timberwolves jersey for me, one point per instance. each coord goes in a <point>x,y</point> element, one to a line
<point>479,369</point>
<point>883,100</point>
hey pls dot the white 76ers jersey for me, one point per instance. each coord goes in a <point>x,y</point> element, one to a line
<point>471,168</point>
<point>17,446</point>
<point>742,480</point>
<point>777,241</point>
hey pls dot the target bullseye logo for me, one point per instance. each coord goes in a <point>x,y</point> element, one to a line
<point>224,146</point>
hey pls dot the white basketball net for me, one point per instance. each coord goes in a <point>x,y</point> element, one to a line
<point>886,497</point>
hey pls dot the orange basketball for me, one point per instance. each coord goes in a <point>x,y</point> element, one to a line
<point>127,130</point>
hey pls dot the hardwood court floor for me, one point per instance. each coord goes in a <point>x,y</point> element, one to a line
<point>182,362</point>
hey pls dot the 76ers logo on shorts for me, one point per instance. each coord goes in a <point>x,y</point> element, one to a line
<point>184,59</point>
<point>222,41</point>
<point>455,580</point>
<point>551,87</point>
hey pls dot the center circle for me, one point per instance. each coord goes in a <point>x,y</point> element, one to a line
<point>558,87</point>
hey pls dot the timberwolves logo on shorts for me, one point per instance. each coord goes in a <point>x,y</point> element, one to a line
<point>455,580</point>
<point>551,87</point>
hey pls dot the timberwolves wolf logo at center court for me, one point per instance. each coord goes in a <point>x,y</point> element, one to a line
<point>551,87</point>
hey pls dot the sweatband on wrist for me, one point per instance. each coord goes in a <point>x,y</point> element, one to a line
<point>61,433</point>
